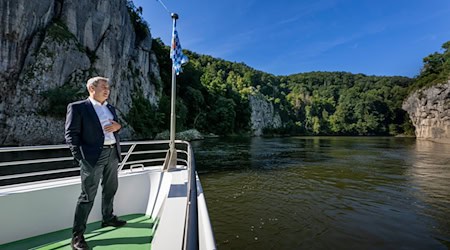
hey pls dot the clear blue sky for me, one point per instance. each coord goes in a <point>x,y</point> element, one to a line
<point>384,37</point>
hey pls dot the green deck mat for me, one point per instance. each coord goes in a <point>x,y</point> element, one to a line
<point>136,234</point>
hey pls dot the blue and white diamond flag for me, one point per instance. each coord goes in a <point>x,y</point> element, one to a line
<point>176,54</point>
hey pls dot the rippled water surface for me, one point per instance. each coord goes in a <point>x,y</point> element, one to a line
<point>326,192</point>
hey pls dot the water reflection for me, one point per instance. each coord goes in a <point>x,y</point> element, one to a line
<point>324,192</point>
<point>431,177</point>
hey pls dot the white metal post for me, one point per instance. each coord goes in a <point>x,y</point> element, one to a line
<point>171,157</point>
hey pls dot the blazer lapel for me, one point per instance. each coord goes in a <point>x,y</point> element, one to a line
<point>92,114</point>
<point>113,111</point>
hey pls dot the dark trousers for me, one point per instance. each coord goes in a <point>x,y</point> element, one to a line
<point>105,169</point>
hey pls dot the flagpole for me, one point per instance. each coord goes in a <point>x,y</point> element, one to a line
<point>172,111</point>
<point>171,157</point>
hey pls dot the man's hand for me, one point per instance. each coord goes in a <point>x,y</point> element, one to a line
<point>113,127</point>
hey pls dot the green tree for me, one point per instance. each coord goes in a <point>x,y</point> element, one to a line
<point>222,116</point>
<point>144,118</point>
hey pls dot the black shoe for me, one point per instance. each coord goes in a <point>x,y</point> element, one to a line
<point>114,222</point>
<point>78,242</point>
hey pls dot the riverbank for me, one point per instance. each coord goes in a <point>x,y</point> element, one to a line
<point>187,135</point>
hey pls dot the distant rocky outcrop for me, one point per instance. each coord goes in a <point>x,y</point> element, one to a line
<point>49,44</point>
<point>263,114</point>
<point>429,110</point>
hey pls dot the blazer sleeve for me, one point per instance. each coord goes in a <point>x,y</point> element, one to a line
<point>73,130</point>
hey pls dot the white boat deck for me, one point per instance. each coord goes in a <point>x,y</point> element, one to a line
<point>34,212</point>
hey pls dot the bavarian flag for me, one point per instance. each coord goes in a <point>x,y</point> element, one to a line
<point>176,54</point>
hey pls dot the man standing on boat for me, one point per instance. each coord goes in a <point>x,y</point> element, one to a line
<point>91,132</point>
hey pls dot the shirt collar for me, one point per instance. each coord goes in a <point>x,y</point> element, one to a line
<point>96,103</point>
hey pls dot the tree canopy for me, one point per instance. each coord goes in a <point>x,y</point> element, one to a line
<point>436,69</point>
<point>213,97</point>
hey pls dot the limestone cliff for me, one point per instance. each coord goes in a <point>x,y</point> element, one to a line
<point>263,114</point>
<point>429,110</point>
<point>47,44</point>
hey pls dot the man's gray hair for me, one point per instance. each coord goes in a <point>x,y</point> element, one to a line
<point>95,80</point>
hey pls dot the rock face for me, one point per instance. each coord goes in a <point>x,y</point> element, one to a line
<point>47,44</point>
<point>429,110</point>
<point>263,114</point>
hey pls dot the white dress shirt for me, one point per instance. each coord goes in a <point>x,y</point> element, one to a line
<point>104,116</point>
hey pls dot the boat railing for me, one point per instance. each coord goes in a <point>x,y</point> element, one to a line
<point>17,171</point>
<point>191,227</point>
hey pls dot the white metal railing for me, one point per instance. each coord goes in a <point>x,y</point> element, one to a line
<point>153,160</point>
<point>191,239</point>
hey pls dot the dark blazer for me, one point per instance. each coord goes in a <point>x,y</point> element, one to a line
<point>84,133</point>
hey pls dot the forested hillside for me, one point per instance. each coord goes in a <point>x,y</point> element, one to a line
<point>349,104</point>
<point>214,97</point>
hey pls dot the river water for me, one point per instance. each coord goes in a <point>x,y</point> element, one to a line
<point>326,192</point>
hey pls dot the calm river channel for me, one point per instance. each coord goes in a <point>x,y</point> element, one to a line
<point>326,192</point>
